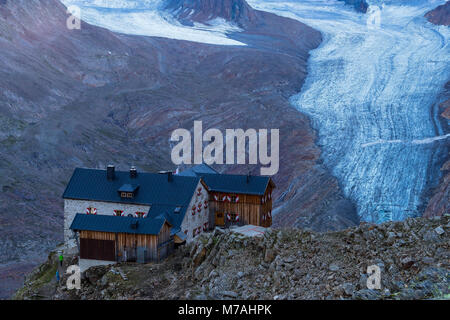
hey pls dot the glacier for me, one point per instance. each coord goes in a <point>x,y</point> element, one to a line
<point>371,95</point>
<point>145,18</point>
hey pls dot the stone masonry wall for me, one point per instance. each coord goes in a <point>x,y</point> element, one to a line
<point>72,207</point>
<point>192,222</point>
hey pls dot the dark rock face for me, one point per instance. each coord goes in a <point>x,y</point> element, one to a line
<point>204,10</point>
<point>440,15</point>
<point>439,203</point>
<point>359,5</point>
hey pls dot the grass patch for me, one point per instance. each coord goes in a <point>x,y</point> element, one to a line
<point>43,275</point>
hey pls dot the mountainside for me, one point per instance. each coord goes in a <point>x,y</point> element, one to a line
<point>89,97</point>
<point>413,257</point>
<point>440,15</point>
<point>439,203</point>
<point>189,11</point>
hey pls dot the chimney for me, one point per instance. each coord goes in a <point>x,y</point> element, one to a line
<point>110,172</point>
<point>134,225</point>
<point>133,173</point>
<point>169,175</point>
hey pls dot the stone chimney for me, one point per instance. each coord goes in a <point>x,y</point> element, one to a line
<point>110,172</point>
<point>133,173</point>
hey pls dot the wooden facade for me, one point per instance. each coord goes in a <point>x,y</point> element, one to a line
<point>252,209</point>
<point>123,247</point>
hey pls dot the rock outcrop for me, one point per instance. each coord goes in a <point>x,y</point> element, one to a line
<point>412,257</point>
<point>440,15</point>
<point>359,5</point>
<point>439,203</point>
<point>189,11</point>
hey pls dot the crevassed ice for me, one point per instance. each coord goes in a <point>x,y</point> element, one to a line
<point>370,93</point>
<point>145,18</point>
<point>117,4</point>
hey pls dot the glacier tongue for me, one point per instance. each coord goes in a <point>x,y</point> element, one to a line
<point>145,18</point>
<point>370,93</point>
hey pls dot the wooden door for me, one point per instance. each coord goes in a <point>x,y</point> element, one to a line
<point>220,219</point>
<point>98,249</point>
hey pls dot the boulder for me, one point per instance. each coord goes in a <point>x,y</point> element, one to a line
<point>269,255</point>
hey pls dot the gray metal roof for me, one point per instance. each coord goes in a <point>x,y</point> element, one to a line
<point>197,170</point>
<point>181,235</point>
<point>104,223</point>
<point>176,219</point>
<point>233,183</point>
<point>154,188</point>
<point>128,188</point>
<point>229,183</point>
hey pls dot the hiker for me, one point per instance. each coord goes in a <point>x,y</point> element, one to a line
<point>57,276</point>
<point>61,258</point>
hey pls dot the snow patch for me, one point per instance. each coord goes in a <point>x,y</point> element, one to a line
<point>146,18</point>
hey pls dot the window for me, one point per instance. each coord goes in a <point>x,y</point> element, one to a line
<point>127,195</point>
<point>91,210</point>
<point>233,198</point>
<point>118,213</point>
<point>140,214</point>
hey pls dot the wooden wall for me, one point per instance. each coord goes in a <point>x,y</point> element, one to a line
<point>98,249</point>
<point>249,207</point>
<point>156,246</point>
<point>164,235</point>
<point>165,243</point>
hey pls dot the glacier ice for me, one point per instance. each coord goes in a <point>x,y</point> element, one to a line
<point>145,17</point>
<point>370,94</point>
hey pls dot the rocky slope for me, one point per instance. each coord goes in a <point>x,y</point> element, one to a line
<point>91,97</point>
<point>413,257</point>
<point>189,11</point>
<point>440,15</point>
<point>439,203</point>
